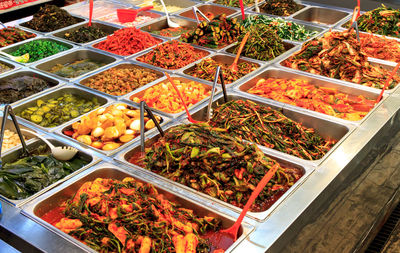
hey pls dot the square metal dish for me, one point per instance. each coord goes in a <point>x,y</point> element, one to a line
<point>162,24</point>
<point>223,59</point>
<point>112,18</point>
<point>73,56</point>
<point>140,93</point>
<point>107,29</point>
<point>130,65</point>
<point>65,127</point>
<point>10,126</point>
<point>15,154</point>
<point>341,86</point>
<point>14,48</point>
<point>54,198</point>
<point>56,94</point>
<point>23,29</point>
<point>214,9</point>
<point>125,156</point>
<point>262,12</point>
<point>25,21</point>
<point>12,65</point>
<point>322,16</point>
<point>182,4</point>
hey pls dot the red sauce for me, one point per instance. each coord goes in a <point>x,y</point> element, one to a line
<point>218,240</point>
<point>53,216</point>
<point>137,159</point>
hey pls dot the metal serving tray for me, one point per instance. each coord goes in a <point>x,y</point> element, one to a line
<point>130,65</point>
<point>328,129</point>
<point>100,9</point>
<point>54,83</point>
<point>262,12</point>
<point>25,30</point>
<point>113,16</point>
<point>223,59</point>
<point>198,49</point>
<point>79,54</point>
<point>106,28</point>
<point>183,4</point>
<point>14,48</point>
<point>10,126</point>
<point>14,155</point>
<point>57,196</point>
<point>214,9</point>
<point>55,94</point>
<point>60,131</point>
<point>162,24</point>
<point>13,66</point>
<point>290,48</point>
<point>320,15</point>
<point>140,92</point>
<point>341,86</point>
<point>124,157</point>
<point>246,7</point>
<point>80,20</point>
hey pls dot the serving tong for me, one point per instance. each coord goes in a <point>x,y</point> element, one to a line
<point>9,111</point>
<point>144,107</point>
<point>197,11</point>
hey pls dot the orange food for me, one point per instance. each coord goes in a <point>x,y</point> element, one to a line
<point>321,99</point>
<point>380,47</point>
<point>164,98</point>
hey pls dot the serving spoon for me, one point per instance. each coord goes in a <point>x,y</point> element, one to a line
<point>234,66</point>
<point>169,21</point>
<point>60,153</point>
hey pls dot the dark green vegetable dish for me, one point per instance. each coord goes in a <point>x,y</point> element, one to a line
<point>77,68</point>
<point>85,34</point>
<point>29,175</point>
<point>39,49</point>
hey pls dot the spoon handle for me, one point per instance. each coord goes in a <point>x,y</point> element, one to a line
<point>197,11</point>
<point>40,137</point>
<point>213,92</point>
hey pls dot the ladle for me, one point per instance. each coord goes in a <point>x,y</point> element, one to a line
<point>129,15</point>
<point>169,21</point>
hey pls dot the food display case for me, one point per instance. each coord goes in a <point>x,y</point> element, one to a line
<point>350,144</point>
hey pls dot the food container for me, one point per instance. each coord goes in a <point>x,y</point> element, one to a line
<point>320,15</point>
<point>141,17</point>
<point>140,92</point>
<point>55,197</point>
<point>106,28</point>
<point>162,24</point>
<point>262,12</point>
<point>246,7</point>
<point>223,59</point>
<point>79,54</point>
<point>124,157</point>
<point>214,9</point>
<point>328,128</point>
<point>10,126</point>
<point>12,65</point>
<point>23,25</point>
<point>56,94</point>
<point>341,86</point>
<point>198,49</point>
<point>182,4</point>
<point>85,80</point>
<point>53,83</point>
<point>11,49</point>
<point>12,156</point>
<point>25,30</point>
<point>60,131</point>
<point>100,8</point>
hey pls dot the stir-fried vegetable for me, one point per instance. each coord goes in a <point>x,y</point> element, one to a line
<point>211,161</point>
<point>338,55</point>
<point>270,128</point>
<point>126,215</point>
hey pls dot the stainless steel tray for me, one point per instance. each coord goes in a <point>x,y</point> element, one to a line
<point>13,67</point>
<point>60,131</point>
<point>14,48</point>
<point>262,12</point>
<point>162,24</point>
<point>124,156</point>
<point>214,9</point>
<point>224,59</point>
<point>73,56</point>
<point>23,29</point>
<point>55,94</point>
<point>341,86</point>
<point>57,196</point>
<point>105,27</point>
<point>140,92</point>
<point>14,155</point>
<point>183,4</point>
<point>109,18</point>
<point>82,82</point>
<point>322,16</point>
<point>327,128</point>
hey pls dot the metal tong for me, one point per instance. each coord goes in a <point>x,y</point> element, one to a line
<point>8,111</point>
<point>218,73</point>
<point>197,11</point>
<point>143,107</point>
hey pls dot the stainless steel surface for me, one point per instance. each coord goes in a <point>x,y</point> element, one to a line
<point>223,59</point>
<point>124,157</point>
<point>162,24</point>
<point>57,196</point>
<point>14,155</point>
<point>214,9</point>
<point>128,65</point>
<point>322,16</point>
<point>14,48</point>
<point>140,92</point>
<point>72,56</point>
<point>60,131</point>
<point>56,94</point>
<point>106,28</point>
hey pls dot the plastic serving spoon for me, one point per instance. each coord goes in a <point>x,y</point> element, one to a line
<point>90,12</point>
<point>23,58</point>
<point>233,230</point>
<point>234,67</point>
<point>169,21</point>
<point>181,98</point>
<point>60,153</point>
<point>129,15</point>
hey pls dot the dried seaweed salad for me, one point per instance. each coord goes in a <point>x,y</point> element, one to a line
<point>211,161</point>
<point>50,18</point>
<point>265,126</point>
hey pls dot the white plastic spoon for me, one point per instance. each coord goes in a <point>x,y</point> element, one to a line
<point>169,21</point>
